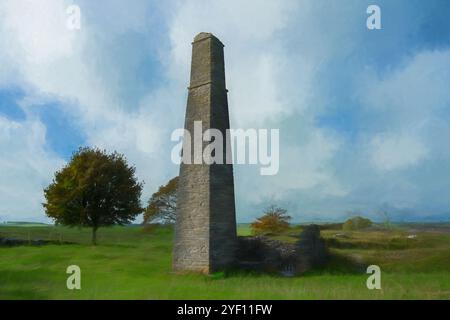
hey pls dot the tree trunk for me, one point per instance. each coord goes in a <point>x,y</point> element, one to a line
<point>94,236</point>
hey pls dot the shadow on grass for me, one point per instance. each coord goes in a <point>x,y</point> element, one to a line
<point>336,264</point>
<point>13,242</point>
<point>114,245</point>
<point>24,284</point>
<point>339,264</point>
<point>241,273</point>
<point>391,244</point>
<point>21,294</point>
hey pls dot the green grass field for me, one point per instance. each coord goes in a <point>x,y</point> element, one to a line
<point>131,263</point>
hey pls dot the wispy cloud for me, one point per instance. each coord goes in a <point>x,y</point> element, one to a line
<point>363,115</point>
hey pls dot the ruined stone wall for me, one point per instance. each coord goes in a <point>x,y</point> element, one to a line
<point>267,255</point>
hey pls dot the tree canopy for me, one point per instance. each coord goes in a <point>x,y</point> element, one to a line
<point>274,220</point>
<point>94,189</point>
<point>163,204</point>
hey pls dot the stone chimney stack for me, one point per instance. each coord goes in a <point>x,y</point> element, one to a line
<point>205,231</point>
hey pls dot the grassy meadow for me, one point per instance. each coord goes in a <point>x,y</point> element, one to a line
<point>135,263</point>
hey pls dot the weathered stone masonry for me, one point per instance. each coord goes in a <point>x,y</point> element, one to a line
<point>205,231</point>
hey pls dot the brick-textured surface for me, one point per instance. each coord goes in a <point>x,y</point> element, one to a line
<point>205,232</point>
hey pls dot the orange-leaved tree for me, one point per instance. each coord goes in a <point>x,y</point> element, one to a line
<point>274,220</point>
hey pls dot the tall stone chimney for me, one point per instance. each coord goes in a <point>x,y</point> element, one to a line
<point>205,231</point>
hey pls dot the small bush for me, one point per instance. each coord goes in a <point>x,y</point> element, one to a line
<point>275,220</point>
<point>356,223</point>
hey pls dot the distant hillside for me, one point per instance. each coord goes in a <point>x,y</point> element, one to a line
<point>23,224</point>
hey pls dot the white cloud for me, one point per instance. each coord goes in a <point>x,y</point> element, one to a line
<point>399,151</point>
<point>36,31</point>
<point>50,62</point>
<point>413,92</point>
<point>270,80</point>
<point>254,57</point>
<point>26,168</point>
<point>282,60</point>
<point>407,104</point>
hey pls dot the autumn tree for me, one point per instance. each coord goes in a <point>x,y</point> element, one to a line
<point>274,220</point>
<point>163,204</point>
<point>94,189</point>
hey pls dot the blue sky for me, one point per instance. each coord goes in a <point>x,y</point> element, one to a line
<point>363,115</point>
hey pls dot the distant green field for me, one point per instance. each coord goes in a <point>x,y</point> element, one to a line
<point>130,263</point>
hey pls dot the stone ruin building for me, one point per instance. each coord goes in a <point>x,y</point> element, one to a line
<point>205,230</point>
